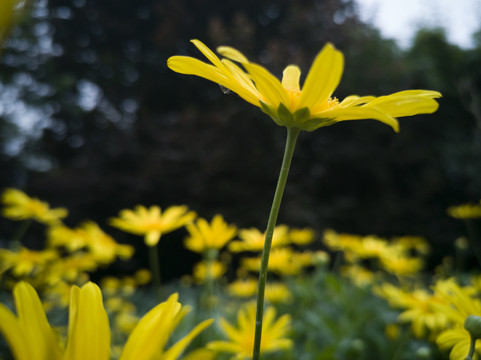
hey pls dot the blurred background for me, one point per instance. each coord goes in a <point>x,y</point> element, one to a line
<point>92,119</point>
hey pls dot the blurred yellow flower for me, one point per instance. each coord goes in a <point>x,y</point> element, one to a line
<point>253,240</point>
<point>30,336</point>
<point>401,265</point>
<point>359,275</point>
<point>241,338</point>
<point>70,239</point>
<point>301,236</point>
<point>208,270</point>
<point>312,106</point>
<point>420,308</point>
<point>19,206</point>
<point>465,211</point>
<point>24,261</point>
<point>204,236</point>
<point>69,268</point>
<point>152,222</point>
<point>282,261</point>
<point>102,246</point>
<point>243,288</point>
<point>277,293</point>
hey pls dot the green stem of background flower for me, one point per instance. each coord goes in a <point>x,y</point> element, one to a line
<point>292,134</point>
<point>155,268</point>
<point>471,348</point>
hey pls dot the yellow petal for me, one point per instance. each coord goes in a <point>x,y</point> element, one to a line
<point>290,77</point>
<point>190,66</point>
<point>407,103</point>
<point>355,113</point>
<point>176,350</point>
<point>89,331</point>
<point>153,331</point>
<point>208,53</point>
<point>268,85</point>
<point>323,77</point>
<point>33,323</point>
<point>232,54</point>
<point>12,332</point>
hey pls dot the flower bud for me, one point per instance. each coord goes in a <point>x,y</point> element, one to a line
<point>473,325</point>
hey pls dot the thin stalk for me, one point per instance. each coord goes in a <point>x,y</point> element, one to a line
<point>471,348</point>
<point>155,268</point>
<point>292,134</point>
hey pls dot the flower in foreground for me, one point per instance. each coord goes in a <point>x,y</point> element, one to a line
<point>461,302</point>
<point>312,106</point>
<point>241,338</point>
<point>31,338</point>
<point>20,206</point>
<point>152,222</point>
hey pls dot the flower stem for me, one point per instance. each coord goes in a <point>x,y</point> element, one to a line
<point>155,268</point>
<point>292,134</point>
<point>471,348</point>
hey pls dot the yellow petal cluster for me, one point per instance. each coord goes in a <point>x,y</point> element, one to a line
<point>204,236</point>
<point>241,338</point>
<point>30,336</point>
<point>20,206</point>
<point>253,240</point>
<point>152,222</point>
<point>307,108</point>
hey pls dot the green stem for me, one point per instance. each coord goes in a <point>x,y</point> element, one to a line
<point>292,134</point>
<point>471,349</point>
<point>155,268</point>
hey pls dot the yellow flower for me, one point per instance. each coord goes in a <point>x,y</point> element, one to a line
<point>25,261</point>
<point>465,211</point>
<point>359,275</point>
<point>420,308</point>
<point>241,339</point>
<point>19,206</point>
<point>63,236</point>
<point>243,288</point>
<point>204,236</point>
<point>31,338</point>
<point>209,269</point>
<point>460,302</point>
<point>253,240</point>
<point>301,236</point>
<point>282,261</point>
<point>152,223</point>
<point>69,268</point>
<point>312,106</point>
<point>401,265</point>
<point>102,246</point>
<point>277,293</point>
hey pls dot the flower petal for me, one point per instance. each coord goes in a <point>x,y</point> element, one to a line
<point>268,85</point>
<point>290,77</point>
<point>323,77</point>
<point>33,323</point>
<point>89,331</point>
<point>232,54</point>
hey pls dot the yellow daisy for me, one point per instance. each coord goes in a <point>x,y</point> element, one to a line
<point>19,206</point>
<point>241,338</point>
<point>312,106</point>
<point>465,211</point>
<point>243,288</point>
<point>208,270</point>
<point>152,222</point>
<point>253,240</point>
<point>31,338</point>
<point>204,236</point>
<point>24,261</point>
